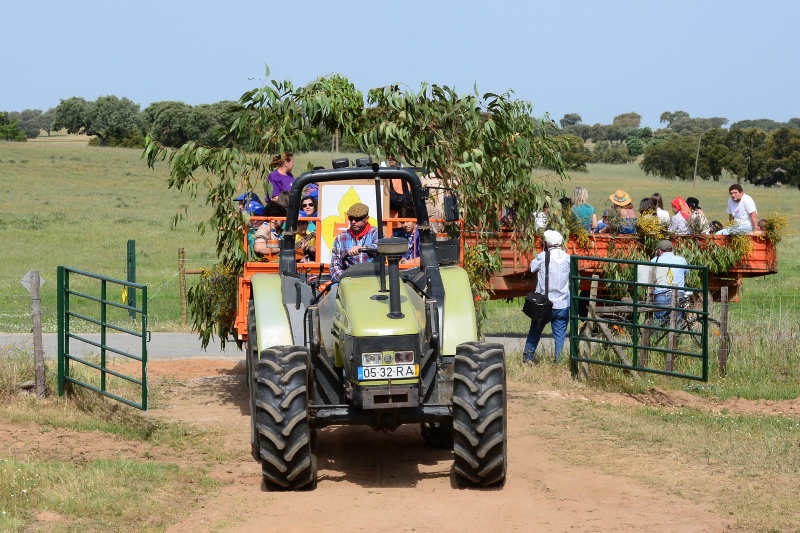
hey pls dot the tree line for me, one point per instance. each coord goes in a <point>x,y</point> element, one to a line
<point>119,122</point>
<point>26,124</point>
<point>762,151</point>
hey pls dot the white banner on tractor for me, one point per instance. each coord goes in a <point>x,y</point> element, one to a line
<point>334,201</point>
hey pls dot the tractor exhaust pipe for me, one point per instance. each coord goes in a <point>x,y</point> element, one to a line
<point>394,287</point>
<point>393,249</point>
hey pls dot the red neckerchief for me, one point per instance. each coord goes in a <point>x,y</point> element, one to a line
<point>366,230</point>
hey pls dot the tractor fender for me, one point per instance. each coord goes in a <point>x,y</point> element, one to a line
<point>458,323</point>
<point>272,322</point>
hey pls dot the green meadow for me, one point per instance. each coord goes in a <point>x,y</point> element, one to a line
<point>66,203</point>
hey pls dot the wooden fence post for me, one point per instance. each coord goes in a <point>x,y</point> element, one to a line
<point>182,281</point>
<point>673,337</point>
<point>38,351</point>
<point>644,353</point>
<point>723,331</point>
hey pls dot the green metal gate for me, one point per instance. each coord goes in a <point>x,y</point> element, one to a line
<point>85,303</point>
<point>615,322</point>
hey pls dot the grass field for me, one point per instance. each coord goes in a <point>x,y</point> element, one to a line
<point>65,203</point>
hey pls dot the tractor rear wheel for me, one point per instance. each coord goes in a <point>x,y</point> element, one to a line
<point>285,438</point>
<point>479,415</point>
<point>251,364</point>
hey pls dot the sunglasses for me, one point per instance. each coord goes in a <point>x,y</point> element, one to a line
<point>308,205</point>
<point>356,219</point>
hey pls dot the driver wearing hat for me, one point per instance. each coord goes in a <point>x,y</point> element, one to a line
<point>360,234</point>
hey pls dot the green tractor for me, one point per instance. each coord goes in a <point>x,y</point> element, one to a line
<point>382,348</point>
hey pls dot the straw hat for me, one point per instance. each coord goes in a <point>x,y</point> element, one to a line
<point>620,198</point>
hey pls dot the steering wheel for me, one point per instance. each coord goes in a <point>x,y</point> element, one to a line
<point>372,252</point>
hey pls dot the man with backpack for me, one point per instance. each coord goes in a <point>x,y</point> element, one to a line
<point>552,266</point>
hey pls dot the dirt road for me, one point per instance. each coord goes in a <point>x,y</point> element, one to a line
<point>371,481</point>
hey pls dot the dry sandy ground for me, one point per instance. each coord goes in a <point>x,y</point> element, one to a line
<point>370,481</point>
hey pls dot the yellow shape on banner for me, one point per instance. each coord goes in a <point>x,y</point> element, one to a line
<point>333,225</point>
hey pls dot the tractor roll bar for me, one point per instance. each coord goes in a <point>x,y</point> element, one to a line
<point>426,238</point>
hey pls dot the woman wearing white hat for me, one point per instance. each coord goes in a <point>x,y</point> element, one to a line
<point>557,292</point>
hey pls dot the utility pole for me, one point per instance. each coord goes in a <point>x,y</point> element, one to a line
<point>696,159</point>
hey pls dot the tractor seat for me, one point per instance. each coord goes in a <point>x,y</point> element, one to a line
<point>362,270</point>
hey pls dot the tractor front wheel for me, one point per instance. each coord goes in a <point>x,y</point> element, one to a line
<point>285,438</point>
<point>479,415</point>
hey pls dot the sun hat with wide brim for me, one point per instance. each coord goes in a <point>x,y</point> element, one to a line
<point>620,198</point>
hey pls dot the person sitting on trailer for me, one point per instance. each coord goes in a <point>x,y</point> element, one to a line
<point>269,231</point>
<point>408,231</point>
<point>346,247</point>
<point>251,203</point>
<point>306,242</point>
<point>602,226</point>
<point>308,208</point>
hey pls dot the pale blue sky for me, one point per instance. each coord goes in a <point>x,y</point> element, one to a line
<point>735,59</point>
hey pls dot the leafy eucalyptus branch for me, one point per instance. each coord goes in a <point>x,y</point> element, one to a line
<point>486,147</point>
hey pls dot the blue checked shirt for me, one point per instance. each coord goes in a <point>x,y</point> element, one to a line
<point>344,241</point>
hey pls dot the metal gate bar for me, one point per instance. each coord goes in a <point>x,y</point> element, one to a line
<point>65,317</point>
<point>635,307</point>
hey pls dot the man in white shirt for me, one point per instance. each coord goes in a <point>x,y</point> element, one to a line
<point>675,277</point>
<point>741,212</point>
<point>558,292</point>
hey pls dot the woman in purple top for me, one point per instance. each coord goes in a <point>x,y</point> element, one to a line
<point>281,178</point>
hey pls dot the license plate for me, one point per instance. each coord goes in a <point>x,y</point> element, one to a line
<point>388,372</point>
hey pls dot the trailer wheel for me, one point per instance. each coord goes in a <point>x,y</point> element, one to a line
<point>286,443</point>
<point>479,415</point>
<point>251,364</point>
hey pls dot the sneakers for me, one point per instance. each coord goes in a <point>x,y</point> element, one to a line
<point>530,359</point>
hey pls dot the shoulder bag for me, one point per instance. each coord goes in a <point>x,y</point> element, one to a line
<point>538,306</point>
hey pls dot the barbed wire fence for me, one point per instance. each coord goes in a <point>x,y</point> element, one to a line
<point>769,303</point>
<point>767,306</point>
<point>15,300</point>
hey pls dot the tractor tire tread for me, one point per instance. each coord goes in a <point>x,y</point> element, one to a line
<point>480,456</point>
<point>286,451</point>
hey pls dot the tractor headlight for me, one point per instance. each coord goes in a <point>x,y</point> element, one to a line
<point>371,358</point>
<point>405,357</point>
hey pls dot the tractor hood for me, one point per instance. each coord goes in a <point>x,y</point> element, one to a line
<point>365,309</point>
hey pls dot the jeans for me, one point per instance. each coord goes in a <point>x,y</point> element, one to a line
<point>737,229</point>
<point>665,299</point>
<point>559,318</point>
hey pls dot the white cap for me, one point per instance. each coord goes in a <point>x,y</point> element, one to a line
<point>553,238</point>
